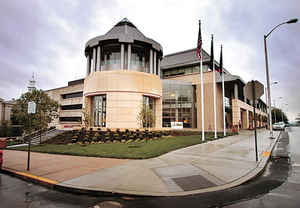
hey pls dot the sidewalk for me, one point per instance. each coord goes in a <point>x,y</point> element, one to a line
<point>212,166</point>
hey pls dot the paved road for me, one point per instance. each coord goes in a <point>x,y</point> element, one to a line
<point>286,195</point>
<point>18,193</point>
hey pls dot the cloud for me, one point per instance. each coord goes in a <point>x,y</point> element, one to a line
<point>44,37</point>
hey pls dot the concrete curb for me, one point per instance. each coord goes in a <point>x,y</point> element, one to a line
<point>29,177</point>
<point>261,165</point>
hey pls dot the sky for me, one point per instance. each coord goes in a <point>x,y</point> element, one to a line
<point>47,38</point>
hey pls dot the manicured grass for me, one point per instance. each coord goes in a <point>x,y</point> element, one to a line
<point>133,150</point>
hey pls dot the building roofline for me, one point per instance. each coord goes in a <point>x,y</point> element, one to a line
<point>192,62</point>
<point>181,64</point>
<point>185,51</point>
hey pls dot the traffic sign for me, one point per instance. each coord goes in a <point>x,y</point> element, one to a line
<point>31,107</point>
<point>258,90</point>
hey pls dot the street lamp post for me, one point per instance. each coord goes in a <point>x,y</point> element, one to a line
<point>281,110</point>
<point>274,110</point>
<point>274,83</point>
<point>267,72</point>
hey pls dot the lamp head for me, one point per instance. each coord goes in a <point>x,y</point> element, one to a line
<point>292,21</point>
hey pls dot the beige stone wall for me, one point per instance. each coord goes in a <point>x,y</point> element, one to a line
<point>5,111</point>
<point>123,81</point>
<point>124,92</point>
<point>122,109</point>
<point>55,94</point>
<point>1,112</point>
<point>239,107</point>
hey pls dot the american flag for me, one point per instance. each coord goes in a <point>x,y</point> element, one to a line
<point>199,43</point>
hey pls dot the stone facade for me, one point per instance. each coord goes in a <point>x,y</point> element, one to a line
<point>5,110</point>
<point>58,95</point>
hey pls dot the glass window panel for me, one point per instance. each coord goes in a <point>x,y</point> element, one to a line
<point>177,102</point>
<point>99,110</point>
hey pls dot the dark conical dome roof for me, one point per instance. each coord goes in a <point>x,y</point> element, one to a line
<point>125,32</point>
<point>125,21</point>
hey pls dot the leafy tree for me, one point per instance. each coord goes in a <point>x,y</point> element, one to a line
<point>46,110</point>
<point>146,117</point>
<point>298,119</point>
<point>279,115</point>
<point>87,118</point>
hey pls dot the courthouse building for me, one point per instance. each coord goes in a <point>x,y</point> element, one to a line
<point>127,70</point>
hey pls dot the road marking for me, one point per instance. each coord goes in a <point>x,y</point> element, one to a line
<point>266,154</point>
<point>46,180</point>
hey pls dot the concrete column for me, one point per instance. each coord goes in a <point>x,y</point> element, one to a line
<point>247,120</point>
<point>151,61</point>
<point>122,56</point>
<point>94,59</point>
<point>129,56</point>
<point>154,63</point>
<point>105,62</point>
<point>98,68</point>
<point>236,91</point>
<point>158,68</point>
<point>88,64</point>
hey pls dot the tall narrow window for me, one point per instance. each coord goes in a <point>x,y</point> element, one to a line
<point>149,111</point>
<point>99,110</point>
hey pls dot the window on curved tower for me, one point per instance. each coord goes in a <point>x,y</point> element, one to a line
<point>138,58</point>
<point>111,57</point>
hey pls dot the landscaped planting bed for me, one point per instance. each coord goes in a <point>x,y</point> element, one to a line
<point>138,144</point>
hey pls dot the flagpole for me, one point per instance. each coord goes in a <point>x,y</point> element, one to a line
<point>224,117</point>
<point>223,89</point>
<point>214,83</point>
<point>202,97</point>
<point>199,55</point>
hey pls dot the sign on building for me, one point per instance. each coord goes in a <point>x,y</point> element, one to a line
<point>177,125</point>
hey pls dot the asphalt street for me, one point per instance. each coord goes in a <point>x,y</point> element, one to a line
<point>278,186</point>
<point>287,194</point>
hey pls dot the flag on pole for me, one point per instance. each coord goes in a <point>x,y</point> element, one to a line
<point>199,43</point>
<point>212,53</point>
<point>199,55</point>
<point>220,69</point>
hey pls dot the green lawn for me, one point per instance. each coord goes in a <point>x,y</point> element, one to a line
<point>133,150</point>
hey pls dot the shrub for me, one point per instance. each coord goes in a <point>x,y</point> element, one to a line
<point>116,136</point>
<point>158,134</point>
<point>74,139</point>
<point>86,140</point>
<point>10,131</point>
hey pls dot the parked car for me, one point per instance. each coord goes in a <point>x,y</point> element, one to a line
<point>279,126</point>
